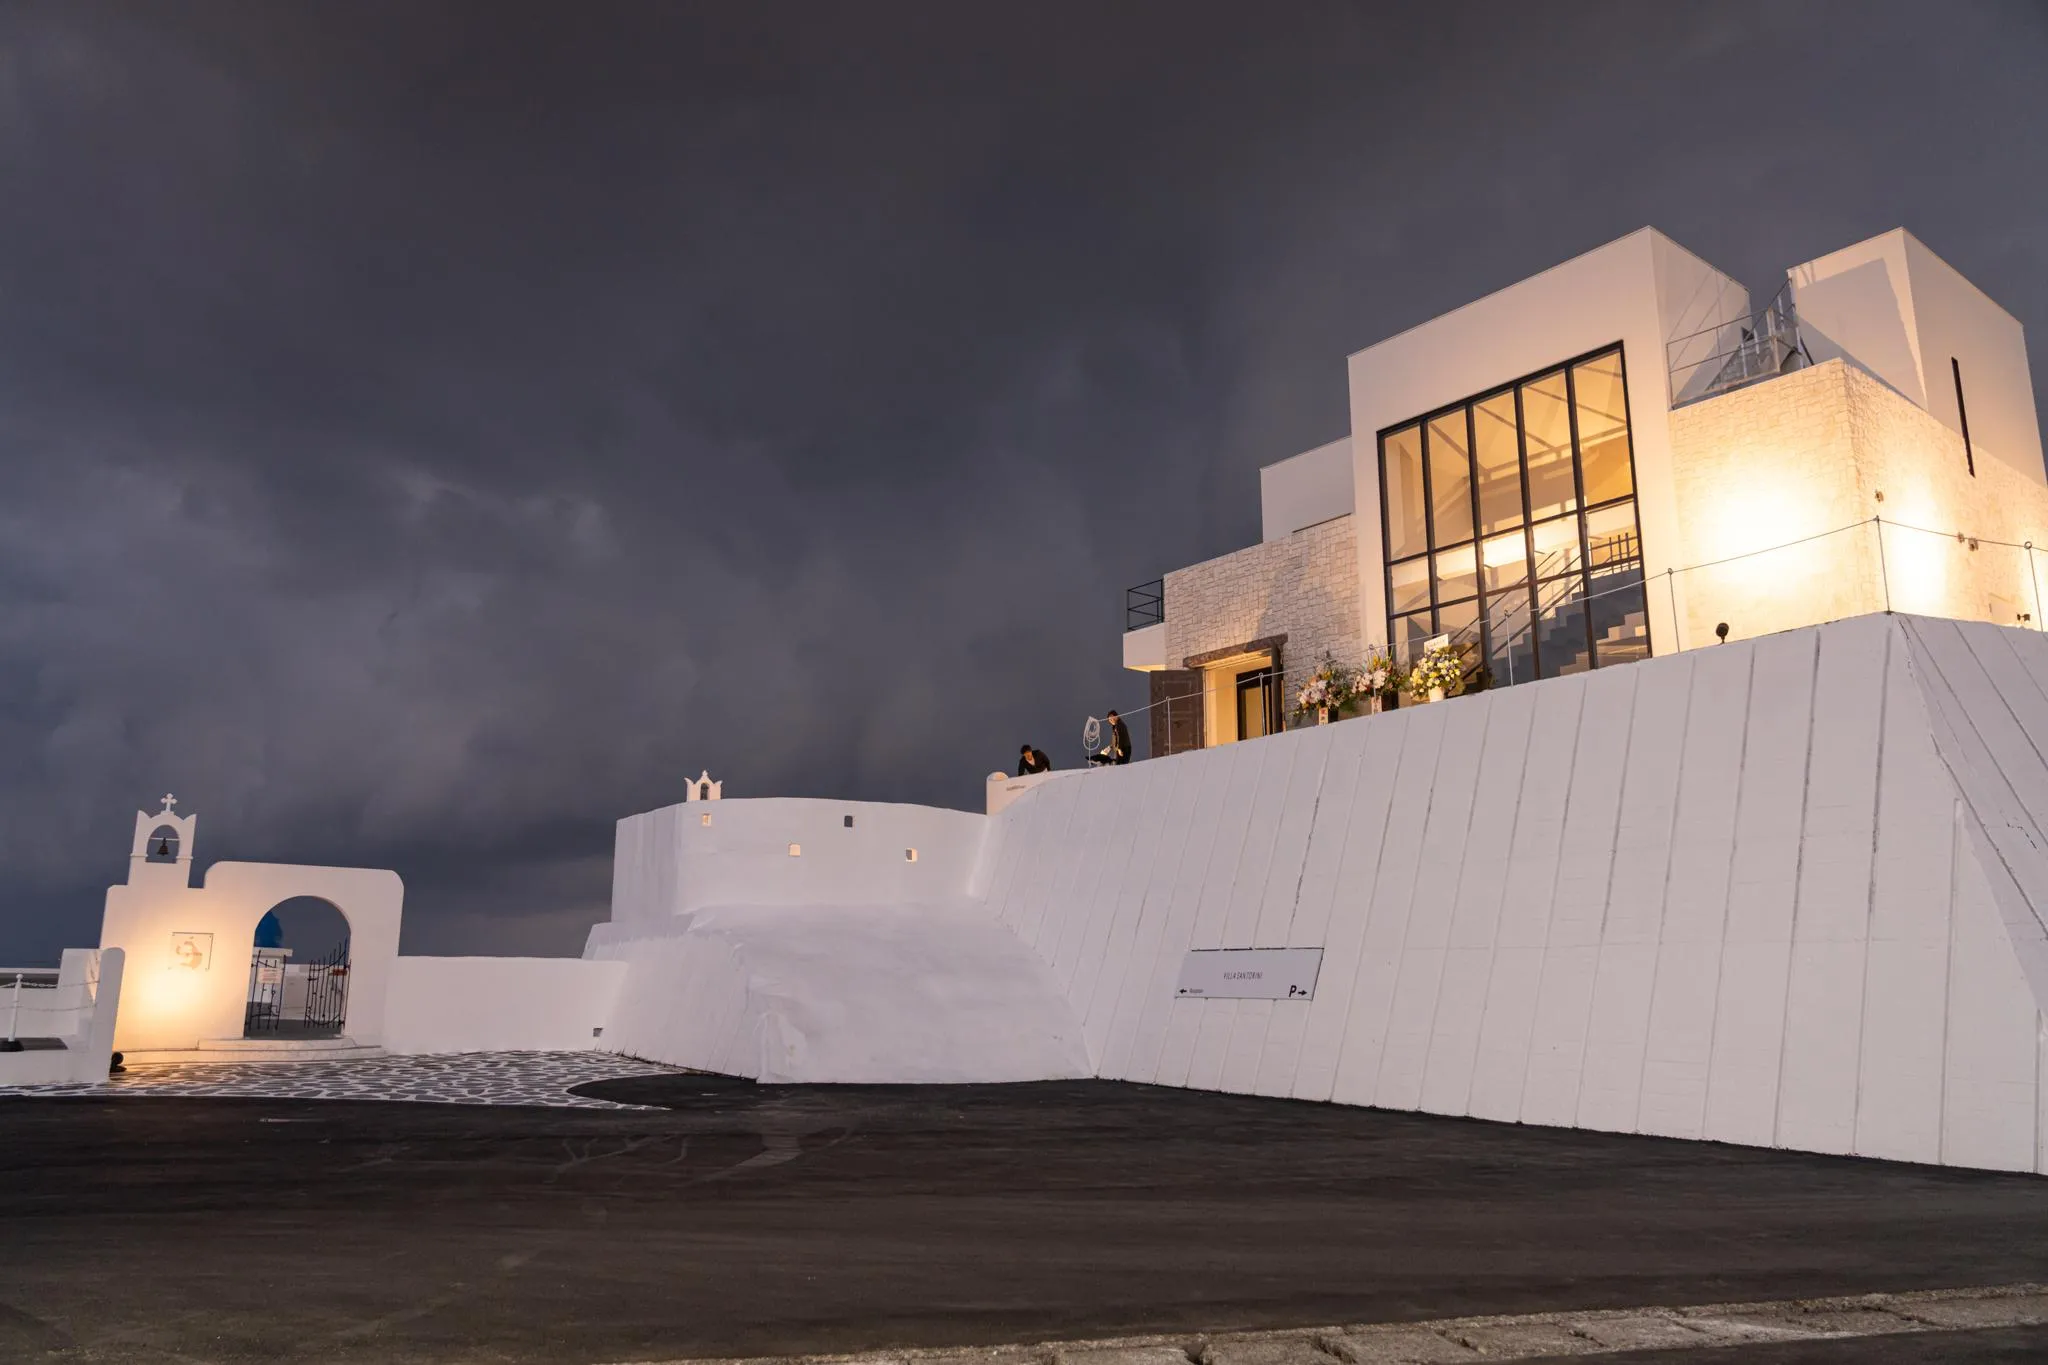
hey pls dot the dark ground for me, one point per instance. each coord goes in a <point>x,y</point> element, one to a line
<point>764,1219</point>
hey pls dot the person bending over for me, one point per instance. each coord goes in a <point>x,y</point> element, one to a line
<point>1118,750</point>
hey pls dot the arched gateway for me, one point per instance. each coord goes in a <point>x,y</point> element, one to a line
<point>196,975</point>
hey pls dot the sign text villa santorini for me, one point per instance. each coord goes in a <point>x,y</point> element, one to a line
<point>1251,973</point>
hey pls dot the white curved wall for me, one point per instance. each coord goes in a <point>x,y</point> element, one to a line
<point>669,861</point>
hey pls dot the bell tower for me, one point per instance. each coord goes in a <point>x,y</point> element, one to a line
<point>163,843</point>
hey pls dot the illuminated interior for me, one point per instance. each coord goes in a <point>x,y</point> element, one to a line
<point>1510,526</point>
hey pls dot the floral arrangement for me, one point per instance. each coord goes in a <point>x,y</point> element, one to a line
<point>1439,670</point>
<point>1378,675</point>
<point>1329,687</point>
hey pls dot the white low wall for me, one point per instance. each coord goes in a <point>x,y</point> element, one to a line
<point>91,978</point>
<point>498,1004</point>
<point>686,857</point>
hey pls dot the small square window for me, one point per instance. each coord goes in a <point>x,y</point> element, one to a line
<point>909,855</point>
<point>849,822</point>
<point>796,850</point>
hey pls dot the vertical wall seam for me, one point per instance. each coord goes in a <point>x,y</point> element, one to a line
<point>1308,842</point>
<point>1948,970</point>
<point>1550,908</point>
<point>1457,889</point>
<point>1371,896</point>
<point>1337,882</point>
<point>1499,904</point>
<point>1664,897</point>
<point>1628,748</point>
<point>1798,890</point>
<point>1884,710</point>
<point>1436,768</point>
<point>1728,890</point>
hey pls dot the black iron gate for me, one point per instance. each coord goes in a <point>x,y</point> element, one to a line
<point>297,999</point>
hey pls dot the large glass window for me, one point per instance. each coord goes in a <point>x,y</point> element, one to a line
<point>1511,526</point>
<point>1401,465</point>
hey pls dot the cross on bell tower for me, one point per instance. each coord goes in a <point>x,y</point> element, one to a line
<point>163,842</point>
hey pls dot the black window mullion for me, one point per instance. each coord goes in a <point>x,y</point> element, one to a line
<point>1478,530</point>
<point>1571,412</point>
<point>1529,588</point>
<point>1428,518</point>
<point>1636,503</point>
<point>1386,542</point>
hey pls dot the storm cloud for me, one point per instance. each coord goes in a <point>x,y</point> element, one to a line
<point>430,432</point>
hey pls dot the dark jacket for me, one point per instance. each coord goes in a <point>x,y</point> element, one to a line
<point>1033,761</point>
<point>1119,741</point>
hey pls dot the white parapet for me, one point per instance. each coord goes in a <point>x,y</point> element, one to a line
<point>1003,788</point>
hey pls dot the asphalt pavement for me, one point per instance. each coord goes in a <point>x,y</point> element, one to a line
<point>751,1220</point>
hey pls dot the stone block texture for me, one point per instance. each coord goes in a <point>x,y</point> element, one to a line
<point>1879,493</point>
<point>1304,587</point>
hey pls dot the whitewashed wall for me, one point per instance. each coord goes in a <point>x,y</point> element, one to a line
<point>91,977</point>
<point>167,1004</point>
<point>1727,894</point>
<point>840,993</point>
<point>1306,490</point>
<point>669,861</point>
<point>498,1004</point>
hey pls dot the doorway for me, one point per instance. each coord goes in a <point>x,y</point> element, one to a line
<point>1258,703</point>
<point>299,972</point>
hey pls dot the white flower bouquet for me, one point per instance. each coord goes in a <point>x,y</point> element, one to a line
<point>1329,688</point>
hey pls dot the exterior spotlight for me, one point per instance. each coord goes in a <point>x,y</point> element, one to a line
<point>1721,632</point>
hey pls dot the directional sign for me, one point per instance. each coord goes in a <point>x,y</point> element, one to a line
<point>1251,973</point>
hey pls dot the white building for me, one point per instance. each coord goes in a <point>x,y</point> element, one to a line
<point>1613,458</point>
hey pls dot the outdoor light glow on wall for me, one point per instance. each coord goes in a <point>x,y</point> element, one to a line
<point>1917,564</point>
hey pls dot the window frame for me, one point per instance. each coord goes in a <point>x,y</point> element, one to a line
<point>1531,583</point>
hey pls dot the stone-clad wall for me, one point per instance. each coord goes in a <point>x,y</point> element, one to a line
<point>1304,587</point>
<point>1809,452</point>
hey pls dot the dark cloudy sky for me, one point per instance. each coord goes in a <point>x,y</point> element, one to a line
<point>429,432</point>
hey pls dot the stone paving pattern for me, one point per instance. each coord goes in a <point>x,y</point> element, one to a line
<point>491,1078</point>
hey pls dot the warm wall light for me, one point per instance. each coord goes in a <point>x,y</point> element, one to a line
<point>909,855</point>
<point>796,850</point>
<point>705,817</point>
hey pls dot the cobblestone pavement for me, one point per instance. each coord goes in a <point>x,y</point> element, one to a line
<point>494,1078</point>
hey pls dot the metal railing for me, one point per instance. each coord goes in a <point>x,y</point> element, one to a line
<point>1731,354</point>
<point>1144,605</point>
